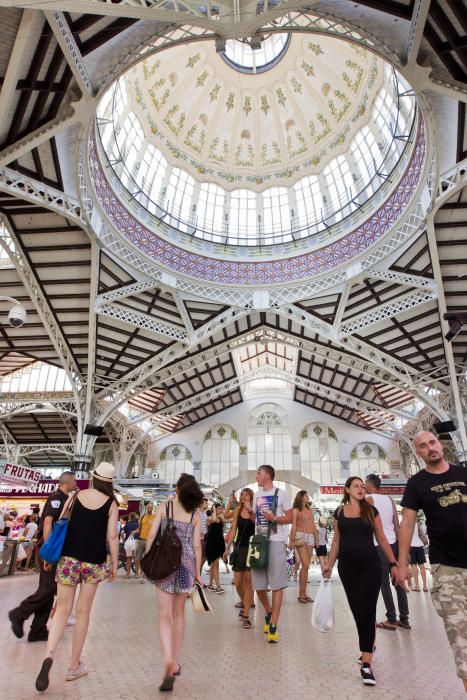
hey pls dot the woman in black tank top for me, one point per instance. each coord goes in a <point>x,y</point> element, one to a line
<point>92,526</point>
<point>243,527</point>
<point>355,523</point>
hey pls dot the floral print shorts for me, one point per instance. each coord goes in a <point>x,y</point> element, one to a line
<point>71,571</point>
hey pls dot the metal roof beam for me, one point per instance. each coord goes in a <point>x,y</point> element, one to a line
<point>67,43</point>
<point>10,446</point>
<point>397,369</point>
<point>417,25</point>
<point>448,351</point>
<point>401,278</point>
<point>138,319</point>
<point>9,242</point>
<point>37,137</point>
<point>27,28</point>
<point>388,310</point>
<point>29,189</point>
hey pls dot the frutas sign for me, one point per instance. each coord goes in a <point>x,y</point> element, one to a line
<point>15,474</point>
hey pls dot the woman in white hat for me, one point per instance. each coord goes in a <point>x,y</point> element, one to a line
<point>93,524</point>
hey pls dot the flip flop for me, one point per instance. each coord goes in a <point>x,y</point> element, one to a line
<point>302,600</point>
<point>386,626</point>
<point>167,684</point>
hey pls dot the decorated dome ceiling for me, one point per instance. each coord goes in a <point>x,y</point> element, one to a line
<point>258,129</point>
<point>296,144</point>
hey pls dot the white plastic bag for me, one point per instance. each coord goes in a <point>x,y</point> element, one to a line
<point>130,546</point>
<point>322,617</point>
<point>21,553</point>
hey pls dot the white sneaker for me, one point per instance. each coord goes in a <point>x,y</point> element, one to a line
<point>77,673</point>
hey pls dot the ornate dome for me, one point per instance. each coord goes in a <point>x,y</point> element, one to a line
<point>177,164</point>
<point>253,130</point>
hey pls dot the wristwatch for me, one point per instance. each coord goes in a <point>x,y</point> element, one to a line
<point>392,564</point>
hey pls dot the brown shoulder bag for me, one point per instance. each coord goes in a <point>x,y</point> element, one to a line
<point>165,555</point>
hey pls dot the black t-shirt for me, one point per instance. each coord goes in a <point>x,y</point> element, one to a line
<point>53,508</point>
<point>443,499</point>
<point>356,538</point>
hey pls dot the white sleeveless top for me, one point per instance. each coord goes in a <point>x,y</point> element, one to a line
<point>383,504</point>
<point>416,540</point>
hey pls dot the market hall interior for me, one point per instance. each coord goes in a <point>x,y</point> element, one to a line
<point>230,234</point>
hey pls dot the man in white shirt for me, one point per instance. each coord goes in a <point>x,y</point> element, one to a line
<point>275,575</point>
<point>390,520</point>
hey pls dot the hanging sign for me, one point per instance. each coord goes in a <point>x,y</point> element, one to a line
<point>16,474</point>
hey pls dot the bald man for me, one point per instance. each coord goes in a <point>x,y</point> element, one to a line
<point>40,603</point>
<point>440,490</point>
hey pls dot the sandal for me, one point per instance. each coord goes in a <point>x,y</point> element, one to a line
<point>246,624</point>
<point>425,590</point>
<point>239,604</point>
<point>220,590</point>
<point>309,600</point>
<point>302,600</point>
<point>211,587</point>
<point>167,683</point>
<point>386,626</point>
<point>416,589</point>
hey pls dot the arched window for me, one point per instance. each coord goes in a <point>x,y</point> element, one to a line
<point>368,458</point>
<point>319,454</point>
<point>173,461</point>
<point>269,440</point>
<point>221,455</point>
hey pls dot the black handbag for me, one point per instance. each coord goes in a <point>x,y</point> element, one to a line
<point>165,554</point>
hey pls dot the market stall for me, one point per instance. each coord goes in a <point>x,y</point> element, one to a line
<point>22,490</point>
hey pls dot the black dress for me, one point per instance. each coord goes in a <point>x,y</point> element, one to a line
<point>245,529</point>
<point>215,545</point>
<point>360,572</point>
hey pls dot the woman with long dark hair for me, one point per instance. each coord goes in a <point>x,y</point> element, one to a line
<point>215,546</point>
<point>93,524</point>
<point>172,591</point>
<point>355,523</point>
<point>243,527</point>
<point>303,536</point>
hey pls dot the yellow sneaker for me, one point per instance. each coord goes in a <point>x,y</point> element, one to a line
<point>273,634</point>
<point>267,619</point>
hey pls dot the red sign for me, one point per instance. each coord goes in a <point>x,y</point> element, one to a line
<point>15,474</point>
<point>43,488</point>
<point>384,490</point>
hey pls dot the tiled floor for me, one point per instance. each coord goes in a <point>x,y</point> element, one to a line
<point>223,661</point>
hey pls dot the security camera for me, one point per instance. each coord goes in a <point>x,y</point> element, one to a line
<point>17,315</point>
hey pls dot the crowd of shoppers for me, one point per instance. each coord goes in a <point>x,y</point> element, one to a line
<point>370,546</point>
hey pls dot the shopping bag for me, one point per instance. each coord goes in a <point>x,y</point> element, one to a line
<point>322,617</point>
<point>199,600</point>
<point>130,546</point>
<point>21,553</point>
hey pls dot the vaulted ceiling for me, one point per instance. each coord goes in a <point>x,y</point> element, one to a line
<point>175,359</point>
